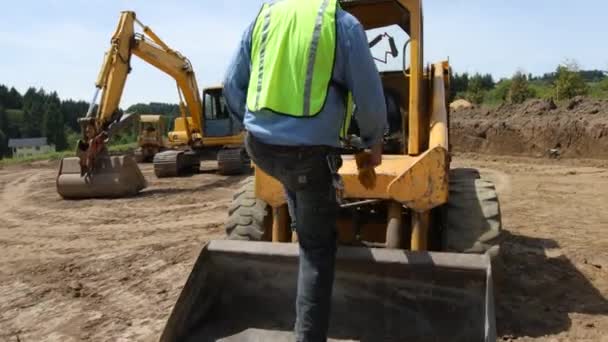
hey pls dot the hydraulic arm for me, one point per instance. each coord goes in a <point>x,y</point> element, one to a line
<point>97,125</point>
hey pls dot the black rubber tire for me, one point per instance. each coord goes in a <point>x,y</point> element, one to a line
<point>472,215</point>
<point>464,173</point>
<point>247,214</point>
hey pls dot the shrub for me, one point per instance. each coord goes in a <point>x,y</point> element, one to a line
<point>520,89</point>
<point>568,82</point>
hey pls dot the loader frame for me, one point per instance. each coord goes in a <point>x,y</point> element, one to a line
<point>387,282</point>
<point>425,156</point>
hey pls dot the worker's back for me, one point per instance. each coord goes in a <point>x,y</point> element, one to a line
<point>352,69</point>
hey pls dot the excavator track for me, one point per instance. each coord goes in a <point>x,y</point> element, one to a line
<point>233,161</point>
<point>139,155</point>
<point>175,163</point>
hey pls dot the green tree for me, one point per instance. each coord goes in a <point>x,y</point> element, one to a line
<point>72,110</point>
<point>54,128</point>
<point>4,96</point>
<point>4,123</point>
<point>520,89</point>
<point>459,84</point>
<point>10,99</point>
<point>486,80</point>
<point>475,92</point>
<point>500,93</point>
<point>569,82</point>
<point>4,151</point>
<point>15,99</point>
<point>592,75</point>
<point>33,112</point>
<point>167,109</point>
<point>603,85</point>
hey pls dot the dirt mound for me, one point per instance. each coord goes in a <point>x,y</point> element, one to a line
<point>460,104</point>
<point>574,129</point>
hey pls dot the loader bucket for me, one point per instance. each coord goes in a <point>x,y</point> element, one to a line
<point>114,176</point>
<point>245,291</point>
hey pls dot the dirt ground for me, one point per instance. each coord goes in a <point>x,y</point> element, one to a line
<point>573,129</point>
<point>111,270</point>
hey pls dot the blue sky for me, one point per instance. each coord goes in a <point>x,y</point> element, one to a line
<point>59,44</point>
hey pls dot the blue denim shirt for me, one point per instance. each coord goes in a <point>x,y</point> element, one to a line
<point>354,69</point>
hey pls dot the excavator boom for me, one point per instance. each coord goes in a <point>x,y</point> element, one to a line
<point>93,173</point>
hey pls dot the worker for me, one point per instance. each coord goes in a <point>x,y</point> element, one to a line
<point>291,80</point>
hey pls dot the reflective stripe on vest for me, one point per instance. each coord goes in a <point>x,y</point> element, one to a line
<point>292,57</point>
<point>350,108</point>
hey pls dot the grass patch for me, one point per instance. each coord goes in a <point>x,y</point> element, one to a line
<point>599,90</point>
<point>542,91</point>
<point>121,148</point>
<point>38,157</point>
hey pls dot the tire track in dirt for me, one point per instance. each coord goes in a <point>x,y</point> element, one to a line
<point>101,270</point>
<point>110,270</point>
<point>13,195</point>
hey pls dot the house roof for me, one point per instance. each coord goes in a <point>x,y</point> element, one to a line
<point>30,142</point>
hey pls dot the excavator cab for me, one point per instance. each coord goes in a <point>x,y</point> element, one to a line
<point>221,139</point>
<point>416,249</point>
<point>218,121</point>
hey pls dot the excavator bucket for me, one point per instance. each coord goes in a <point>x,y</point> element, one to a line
<point>245,291</point>
<point>114,176</point>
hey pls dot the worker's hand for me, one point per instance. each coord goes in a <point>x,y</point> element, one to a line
<point>376,155</point>
<point>371,158</point>
<point>366,162</point>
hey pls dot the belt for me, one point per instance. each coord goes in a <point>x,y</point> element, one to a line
<point>302,149</point>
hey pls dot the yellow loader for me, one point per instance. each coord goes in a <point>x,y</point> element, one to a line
<point>416,250</point>
<point>150,139</point>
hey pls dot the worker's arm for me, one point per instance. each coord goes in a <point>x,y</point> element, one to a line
<point>237,77</point>
<point>363,80</point>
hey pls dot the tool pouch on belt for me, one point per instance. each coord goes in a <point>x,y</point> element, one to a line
<point>334,161</point>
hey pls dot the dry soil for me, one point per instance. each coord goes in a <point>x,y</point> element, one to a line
<point>573,129</point>
<point>111,270</point>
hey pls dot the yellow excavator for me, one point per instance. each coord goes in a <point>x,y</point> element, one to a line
<point>416,249</point>
<point>198,133</point>
<point>222,140</point>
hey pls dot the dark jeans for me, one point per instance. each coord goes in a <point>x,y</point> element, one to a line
<point>312,205</point>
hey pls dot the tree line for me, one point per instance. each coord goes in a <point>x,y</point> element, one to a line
<point>566,82</point>
<point>39,113</point>
<point>36,113</point>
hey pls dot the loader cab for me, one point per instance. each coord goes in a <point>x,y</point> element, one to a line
<point>431,296</point>
<point>151,130</point>
<point>394,29</point>
<point>390,47</point>
<point>218,121</point>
